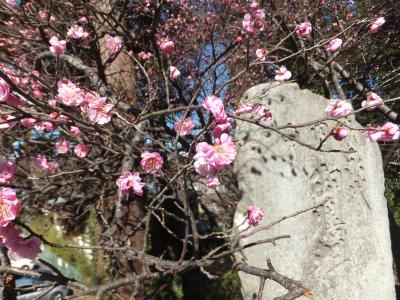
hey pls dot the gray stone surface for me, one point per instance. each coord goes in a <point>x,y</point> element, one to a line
<point>339,251</point>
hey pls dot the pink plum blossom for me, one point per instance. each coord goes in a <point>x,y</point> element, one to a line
<point>114,44</point>
<point>213,182</point>
<point>130,181</point>
<point>254,5</point>
<point>4,90</point>
<point>283,74</point>
<point>77,33</point>
<point>224,151</point>
<point>99,111</point>
<point>145,56</point>
<point>43,163</point>
<point>42,15</point>
<point>340,133</point>
<point>57,47</point>
<point>81,150</point>
<point>216,107</point>
<point>255,215</point>
<point>14,101</point>
<point>8,170</point>
<point>184,127</point>
<point>9,234</point>
<point>9,206</point>
<point>167,47</point>
<point>338,108</point>
<point>88,98</point>
<point>262,112</point>
<point>261,53</point>
<point>244,109</point>
<point>209,159</point>
<point>303,30</point>
<point>203,163</point>
<point>62,147</point>
<point>333,45</point>
<point>75,131</point>
<point>151,161</point>
<point>174,73</point>
<point>45,126</point>
<point>28,122</point>
<point>389,132</point>
<point>11,2</point>
<point>377,24</point>
<point>221,128</point>
<point>24,248</point>
<point>5,121</point>
<point>68,93</point>
<point>372,102</point>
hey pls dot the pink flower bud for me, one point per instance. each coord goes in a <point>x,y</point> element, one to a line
<point>255,215</point>
<point>377,24</point>
<point>75,131</point>
<point>53,115</point>
<point>304,30</point>
<point>167,47</point>
<point>62,147</point>
<point>81,150</point>
<point>333,45</point>
<point>340,133</point>
<point>4,90</point>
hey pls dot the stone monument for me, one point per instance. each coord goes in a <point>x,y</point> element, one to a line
<point>342,249</point>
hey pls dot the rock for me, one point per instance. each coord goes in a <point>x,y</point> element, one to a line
<point>341,250</point>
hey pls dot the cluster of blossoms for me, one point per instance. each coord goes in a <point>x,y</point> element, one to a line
<point>145,55</point>
<point>255,20</point>
<point>283,74</point>
<point>114,44</point>
<point>338,108</point>
<point>209,160</point>
<point>259,110</point>
<point>63,147</point>
<point>97,108</point>
<point>18,246</point>
<point>130,181</point>
<point>78,33</point>
<point>389,132</point>
<point>43,163</point>
<point>57,47</point>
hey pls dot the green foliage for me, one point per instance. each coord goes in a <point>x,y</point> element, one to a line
<point>392,194</point>
<point>229,287</point>
<point>76,257</point>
